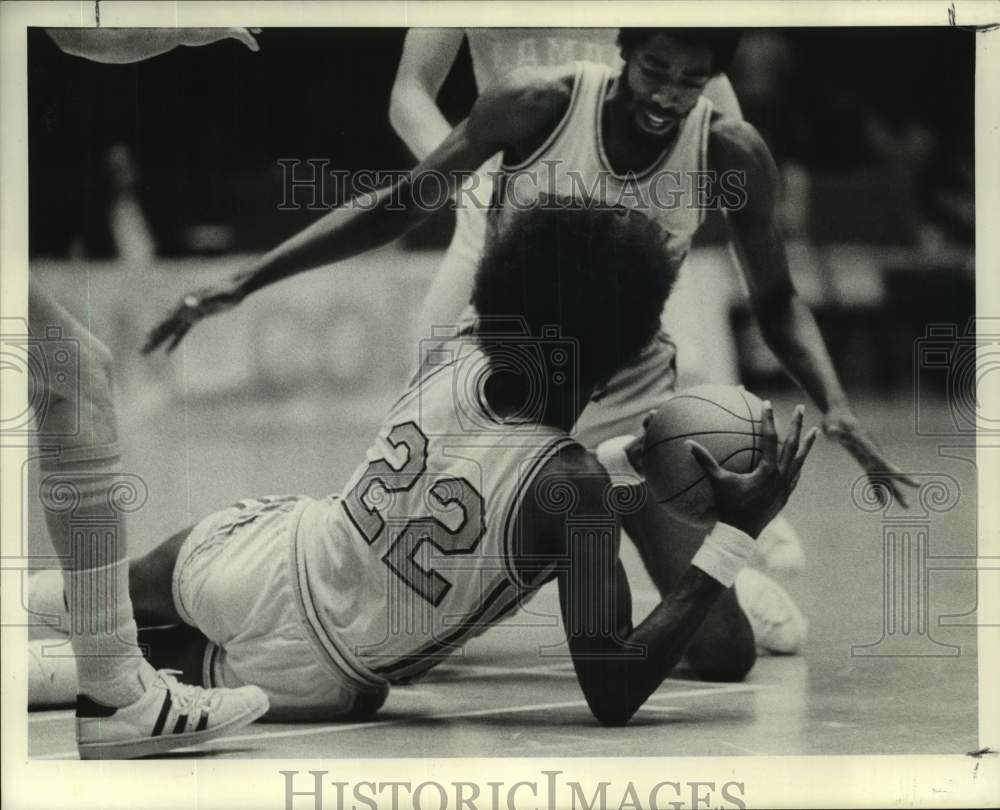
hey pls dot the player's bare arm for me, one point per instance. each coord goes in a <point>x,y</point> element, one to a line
<point>619,666</point>
<point>786,322</point>
<point>120,46</point>
<point>428,54</point>
<point>516,115</point>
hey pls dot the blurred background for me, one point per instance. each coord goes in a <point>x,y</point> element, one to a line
<point>159,176</point>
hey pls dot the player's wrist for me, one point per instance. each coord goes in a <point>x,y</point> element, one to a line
<point>725,552</point>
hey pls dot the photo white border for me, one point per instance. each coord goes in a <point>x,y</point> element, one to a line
<point>203,783</point>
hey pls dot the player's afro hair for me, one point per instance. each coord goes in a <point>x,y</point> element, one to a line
<point>599,275</point>
<point>722,42</point>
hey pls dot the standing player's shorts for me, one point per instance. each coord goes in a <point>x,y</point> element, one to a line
<point>235,581</point>
<point>620,406</point>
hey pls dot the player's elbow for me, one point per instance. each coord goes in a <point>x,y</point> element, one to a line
<point>401,105</point>
<point>398,108</point>
<point>611,705</point>
<point>612,716</point>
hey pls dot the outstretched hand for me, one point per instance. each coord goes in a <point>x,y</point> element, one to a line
<point>191,309</point>
<point>751,500</point>
<point>883,474</point>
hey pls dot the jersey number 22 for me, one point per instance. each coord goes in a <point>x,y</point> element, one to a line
<point>371,502</point>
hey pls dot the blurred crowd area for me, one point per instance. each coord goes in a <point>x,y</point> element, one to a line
<point>164,161</point>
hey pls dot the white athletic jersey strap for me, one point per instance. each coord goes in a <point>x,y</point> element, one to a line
<point>572,163</point>
<point>415,557</point>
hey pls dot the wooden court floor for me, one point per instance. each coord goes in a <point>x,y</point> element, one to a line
<point>503,697</point>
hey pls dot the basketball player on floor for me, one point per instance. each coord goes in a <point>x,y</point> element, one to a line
<point>124,707</point>
<point>583,128</point>
<point>472,496</point>
<point>704,343</point>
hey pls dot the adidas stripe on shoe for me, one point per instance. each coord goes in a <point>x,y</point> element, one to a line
<point>169,715</point>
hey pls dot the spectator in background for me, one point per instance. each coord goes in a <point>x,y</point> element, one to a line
<point>130,232</point>
<point>115,225</point>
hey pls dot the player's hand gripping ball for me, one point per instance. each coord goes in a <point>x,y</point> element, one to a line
<point>726,420</point>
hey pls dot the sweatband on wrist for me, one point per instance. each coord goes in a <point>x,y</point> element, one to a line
<point>611,453</point>
<point>724,553</point>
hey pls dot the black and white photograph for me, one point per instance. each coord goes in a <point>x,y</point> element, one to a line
<point>531,407</point>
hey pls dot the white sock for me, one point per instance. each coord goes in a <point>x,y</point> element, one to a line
<point>104,634</point>
<point>80,489</point>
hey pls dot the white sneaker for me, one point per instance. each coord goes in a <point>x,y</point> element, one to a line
<point>779,548</point>
<point>778,625</point>
<point>169,715</point>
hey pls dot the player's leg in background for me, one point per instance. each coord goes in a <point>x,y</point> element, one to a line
<point>451,288</point>
<point>123,703</point>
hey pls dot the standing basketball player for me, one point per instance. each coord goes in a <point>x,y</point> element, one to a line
<point>428,54</point>
<point>705,342</point>
<point>586,128</point>
<point>471,498</point>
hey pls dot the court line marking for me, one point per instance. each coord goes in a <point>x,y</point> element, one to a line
<point>339,729</point>
<point>562,670</point>
<point>486,670</point>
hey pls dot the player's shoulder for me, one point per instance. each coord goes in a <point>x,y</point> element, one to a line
<point>736,144</point>
<point>571,482</point>
<point>534,90</point>
<point>522,108</point>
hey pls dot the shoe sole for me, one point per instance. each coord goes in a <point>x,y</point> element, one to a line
<point>147,746</point>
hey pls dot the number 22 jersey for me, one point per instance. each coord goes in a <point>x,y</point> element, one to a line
<point>416,556</point>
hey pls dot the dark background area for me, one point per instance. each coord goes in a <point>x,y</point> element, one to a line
<point>206,126</point>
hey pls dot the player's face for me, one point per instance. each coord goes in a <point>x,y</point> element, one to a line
<point>664,78</point>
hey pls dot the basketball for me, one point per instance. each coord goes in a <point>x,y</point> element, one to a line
<point>725,420</point>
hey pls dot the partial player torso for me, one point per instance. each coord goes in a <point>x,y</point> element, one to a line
<point>415,557</point>
<point>572,163</point>
<point>497,51</point>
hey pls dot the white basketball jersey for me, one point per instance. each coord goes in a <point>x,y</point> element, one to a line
<point>497,51</point>
<point>572,163</point>
<point>415,557</point>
